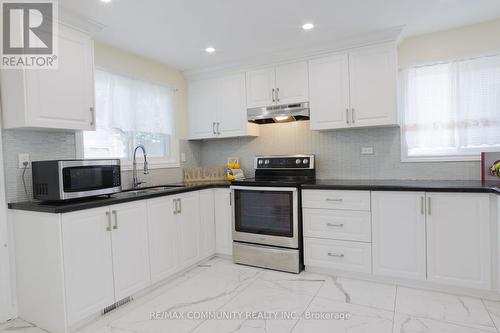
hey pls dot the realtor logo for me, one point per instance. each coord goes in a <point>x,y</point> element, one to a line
<point>29,31</point>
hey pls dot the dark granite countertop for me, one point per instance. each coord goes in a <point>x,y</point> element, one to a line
<point>471,186</point>
<point>126,196</point>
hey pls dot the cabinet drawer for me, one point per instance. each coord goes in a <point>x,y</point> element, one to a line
<point>337,224</point>
<point>342,255</point>
<point>348,200</point>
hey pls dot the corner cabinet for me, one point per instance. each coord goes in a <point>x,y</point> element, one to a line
<point>354,89</point>
<point>217,108</point>
<point>61,98</point>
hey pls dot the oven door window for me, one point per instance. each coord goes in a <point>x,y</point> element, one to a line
<point>89,178</point>
<point>264,212</point>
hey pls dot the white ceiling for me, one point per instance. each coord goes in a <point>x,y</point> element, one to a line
<point>176,32</point>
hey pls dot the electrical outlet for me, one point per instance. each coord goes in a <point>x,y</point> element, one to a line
<point>22,159</point>
<point>367,151</point>
<point>183,157</point>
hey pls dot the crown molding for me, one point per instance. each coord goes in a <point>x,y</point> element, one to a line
<point>267,59</point>
<point>79,22</point>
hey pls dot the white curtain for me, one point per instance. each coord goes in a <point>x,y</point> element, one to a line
<point>452,108</point>
<point>133,105</point>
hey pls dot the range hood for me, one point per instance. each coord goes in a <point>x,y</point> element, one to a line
<point>279,113</point>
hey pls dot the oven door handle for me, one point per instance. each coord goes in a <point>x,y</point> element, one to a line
<point>263,188</point>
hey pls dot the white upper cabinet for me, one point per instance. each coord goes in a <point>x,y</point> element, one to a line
<point>398,222</point>
<point>354,89</point>
<point>329,92</point>
<point>283,84</point>
<point>373,81</point>
<point>217,108</point>
<point>292,84</point>
<point>202,98</point>
<point>61,98</point>
<point>458,239</point>
<point>260,87</point>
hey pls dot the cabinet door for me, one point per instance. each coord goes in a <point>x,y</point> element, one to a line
<point>162,238</point>
<point>64,97</point>
<point>292,83</point>
<point>260,84</point>
<point>207,223</point>
<point>373,73</point>
<point>223,222</point>
<point>458,239</point>
<point>231,112</point>
<point>88,264</point>
<point>329,92</point>
<point>188,229</point>
<point>130,248</point>
<point>202,103</point>
<point>398,222</point>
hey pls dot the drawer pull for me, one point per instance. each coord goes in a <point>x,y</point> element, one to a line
<point>340,225</point>
<point>334,200</point>
<point>337,255</point>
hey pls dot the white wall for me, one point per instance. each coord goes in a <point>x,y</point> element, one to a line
<point>465,41</point>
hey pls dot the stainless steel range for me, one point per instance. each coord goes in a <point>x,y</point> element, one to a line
<point>267,214</point>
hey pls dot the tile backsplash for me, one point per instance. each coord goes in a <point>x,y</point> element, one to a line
<point>338,153</point>
<point>49,145</point>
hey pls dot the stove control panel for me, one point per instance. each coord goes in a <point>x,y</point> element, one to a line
<point>285,162</point>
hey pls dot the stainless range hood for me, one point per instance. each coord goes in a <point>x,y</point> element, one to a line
<point>279,113</point>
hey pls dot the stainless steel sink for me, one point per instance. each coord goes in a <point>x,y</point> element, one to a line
<point>147,190</point>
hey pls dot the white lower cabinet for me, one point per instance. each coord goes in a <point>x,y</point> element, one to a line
<point>162,238</point>
<point>207,223</point>
<point>223,221</point>
<point>343,255</point>
<point>129,239</point>
<point>187,221</point>
<point>398,222</point>
<point>458,239</point>
<point>88,263</point>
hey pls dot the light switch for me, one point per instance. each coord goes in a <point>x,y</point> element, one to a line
<point>183,157</point>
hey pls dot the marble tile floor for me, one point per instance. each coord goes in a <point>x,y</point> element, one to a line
<point>222,297</point>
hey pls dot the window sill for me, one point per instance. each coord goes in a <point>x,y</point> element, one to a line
<point>433,159</point>
<point>127,165</point>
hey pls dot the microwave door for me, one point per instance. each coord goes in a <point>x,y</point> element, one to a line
<point>88,180</point>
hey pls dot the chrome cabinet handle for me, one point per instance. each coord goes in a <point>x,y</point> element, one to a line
<point>353,119</point>
<point>277,94</point>
<point>339,225</point>
<point>337,255</point>
<point>274,99</point>
<point>108,215</point>
<point>422,205</point>
<point>180,206</point>
<point>116,219</point>
<point>92,115</point>
<point>429,205</point>
<point>334,200</point>
<point>175,206</point>
<point>218,128</point>
<point>347,116</point>
<point>213,128</point>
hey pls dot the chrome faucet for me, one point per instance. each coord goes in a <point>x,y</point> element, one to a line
<point>134,171</point>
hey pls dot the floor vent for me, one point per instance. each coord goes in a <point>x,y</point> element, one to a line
<point>116,305</point>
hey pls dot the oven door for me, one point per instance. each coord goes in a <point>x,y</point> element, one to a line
<point>86,178</point>
<point>266,215</point>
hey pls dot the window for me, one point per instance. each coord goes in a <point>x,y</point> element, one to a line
<point>130,112</point>
<point>451,111</point>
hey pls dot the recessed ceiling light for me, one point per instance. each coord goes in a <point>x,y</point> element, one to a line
<point>210,50</point>
<point>106,1</point>
<point>308,26</point>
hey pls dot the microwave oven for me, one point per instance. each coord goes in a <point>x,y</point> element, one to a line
<point>72,179</point>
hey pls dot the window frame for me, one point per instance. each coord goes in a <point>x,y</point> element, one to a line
<point>173,161</point>
<point>404,146</point>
